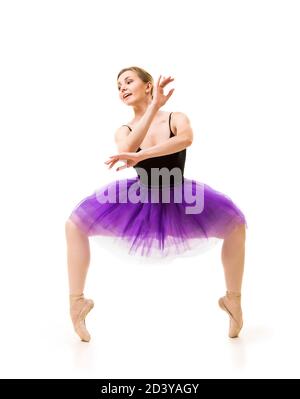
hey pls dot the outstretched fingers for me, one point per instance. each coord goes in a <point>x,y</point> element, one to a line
<point>170,93</point>
<point>158,81</point>
<point>122,167</point>
<point>166,81</point>
<point>111,162</point>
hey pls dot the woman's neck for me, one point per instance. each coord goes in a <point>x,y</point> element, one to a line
<point>140,109</point>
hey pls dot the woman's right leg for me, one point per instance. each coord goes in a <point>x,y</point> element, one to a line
<point>78,259</point>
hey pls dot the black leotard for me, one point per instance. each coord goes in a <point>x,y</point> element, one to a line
<point>170,161</point>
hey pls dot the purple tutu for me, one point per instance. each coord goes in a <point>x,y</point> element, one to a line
<point>161,221</point>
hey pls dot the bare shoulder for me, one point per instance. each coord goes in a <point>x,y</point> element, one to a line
<point>121,133</point>
<point>179,121</point>
<point>120,138</point>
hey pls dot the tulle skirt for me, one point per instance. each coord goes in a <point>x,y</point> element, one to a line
<point>157,222</point>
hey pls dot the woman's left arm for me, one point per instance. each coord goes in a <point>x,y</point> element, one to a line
<point>183,139</point>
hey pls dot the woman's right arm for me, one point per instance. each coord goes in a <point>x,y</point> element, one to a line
<point>129,141</point>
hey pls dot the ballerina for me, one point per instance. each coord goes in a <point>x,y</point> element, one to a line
<point>155,143</point>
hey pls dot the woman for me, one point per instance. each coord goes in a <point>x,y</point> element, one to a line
<point>154,142</point>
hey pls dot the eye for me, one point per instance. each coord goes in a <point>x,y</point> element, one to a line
<point>128,81</point>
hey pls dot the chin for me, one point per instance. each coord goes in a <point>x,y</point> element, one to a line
<point>131,102</point>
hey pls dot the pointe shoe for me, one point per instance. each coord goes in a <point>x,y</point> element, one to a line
<point>231,303</point>
<point>79,308</point>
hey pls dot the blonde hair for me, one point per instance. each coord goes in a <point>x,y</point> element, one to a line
<point>142,74</point>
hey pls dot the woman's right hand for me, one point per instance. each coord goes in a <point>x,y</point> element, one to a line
<point>159,99</point>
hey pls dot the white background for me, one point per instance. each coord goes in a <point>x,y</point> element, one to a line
<point>236,68</point>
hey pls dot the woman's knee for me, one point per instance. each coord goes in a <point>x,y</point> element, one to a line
<point>71,228</point>
<point>69,224</point>
<point>238,233</point>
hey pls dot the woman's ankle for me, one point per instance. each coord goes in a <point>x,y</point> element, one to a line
<point>233,294</point>
<point>75,297</point>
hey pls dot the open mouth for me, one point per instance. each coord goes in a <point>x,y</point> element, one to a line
<point>126,95</point>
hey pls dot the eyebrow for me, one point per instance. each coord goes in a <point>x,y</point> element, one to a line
<point>127,77</point>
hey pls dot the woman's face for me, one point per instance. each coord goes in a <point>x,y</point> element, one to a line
<point>131,88</point>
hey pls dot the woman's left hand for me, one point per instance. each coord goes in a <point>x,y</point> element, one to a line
<point>130,158</point>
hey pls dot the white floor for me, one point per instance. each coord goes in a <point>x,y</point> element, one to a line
<point>150,322</point>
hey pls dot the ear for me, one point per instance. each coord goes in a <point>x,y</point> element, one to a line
<point>148,87</point>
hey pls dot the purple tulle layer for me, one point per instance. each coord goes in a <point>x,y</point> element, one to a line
<point>151,221</point>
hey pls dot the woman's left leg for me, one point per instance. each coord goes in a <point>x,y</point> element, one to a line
<point>233,259</point>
